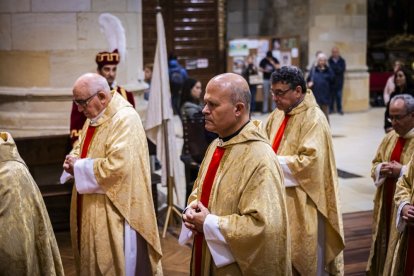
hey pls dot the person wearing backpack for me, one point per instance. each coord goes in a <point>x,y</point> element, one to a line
<point>177,75</point>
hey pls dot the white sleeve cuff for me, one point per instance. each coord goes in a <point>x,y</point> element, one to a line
<point>378,179</point>
<point>218,246</point>
<point>185,235</point>
<point>65,177</point>
<point>85,178</point>
<point>290,181</point>
<point>400,222</point>
<point>403,170</point>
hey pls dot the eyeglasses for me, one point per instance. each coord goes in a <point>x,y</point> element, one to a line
<point>396,117</point>
<point>280,93</point>
<point>85,102</point>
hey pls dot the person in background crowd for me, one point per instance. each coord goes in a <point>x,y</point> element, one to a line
<point>320,81</point>
<point>300,136</point>
<point>390,85</point>
<point>338,66</point>
<point>191,99</point>
<point>237,209</point>
<point>27,243</point>
<point>251,70</point>
<point>404,84</point>
<point>268,65</point>
<point>389,164</point>
<point>147,78</point>
<point>107,67</point>
<point>177,75</point>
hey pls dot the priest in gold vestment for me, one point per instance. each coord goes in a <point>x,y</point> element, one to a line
<point>389,164</point>
<point>237,208</point>
<point>300,136</point>
<point>27,242</point>
<point>400,260</point>
<point>113,225</point>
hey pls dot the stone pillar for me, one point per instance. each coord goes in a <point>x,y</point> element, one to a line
<point>45,45</point>
<point>343,23</point>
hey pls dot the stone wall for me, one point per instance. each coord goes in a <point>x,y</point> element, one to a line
<point>343,23</point>
<point>49,43</point>
<point>45,45</point>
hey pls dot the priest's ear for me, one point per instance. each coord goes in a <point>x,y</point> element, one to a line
<point>103,96</point>
<point>240,108</point>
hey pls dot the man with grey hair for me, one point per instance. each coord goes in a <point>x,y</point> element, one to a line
<point>301,138</point>
<point>237,210</point>
<point>389,164</point>
<point>113,225</point>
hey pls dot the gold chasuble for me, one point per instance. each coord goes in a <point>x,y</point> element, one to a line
<point>119,149</point>
<point>400,259</point>
<point>307,148</point>
<point>248,198</point>
<point>384,231</point>
<point>27,242</point>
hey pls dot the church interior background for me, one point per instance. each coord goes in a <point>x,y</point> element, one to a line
<point>46,44</point>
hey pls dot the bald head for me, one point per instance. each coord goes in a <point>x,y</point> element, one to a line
<point>91,93</point>
<point>227,106</point>
<point>92,82</point>
<point>335,52</point>
<point>235,86</point>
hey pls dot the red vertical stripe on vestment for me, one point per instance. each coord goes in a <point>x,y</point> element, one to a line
<point>205,196</point>
<point>389,185</point>
<point>279,134</point>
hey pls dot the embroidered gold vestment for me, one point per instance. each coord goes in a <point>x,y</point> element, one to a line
<point>378,253</point>
<point>121,168</point>
<point>404,191</point>
<point>248,197</point>
<point>307,148</point>
<point>27,243</point>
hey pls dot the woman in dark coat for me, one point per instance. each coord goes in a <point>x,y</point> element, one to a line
<point>320,80</point>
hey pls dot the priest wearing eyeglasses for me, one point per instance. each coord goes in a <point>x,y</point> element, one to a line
<point>300,136</point>
<point>107,63</point>
<point>389,164</point>
<point>113,224</point>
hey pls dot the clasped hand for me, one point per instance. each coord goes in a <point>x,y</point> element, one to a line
<point>69,164</point>
<point>391,169</point>
<point>194,217</point>
<point>408,214</point>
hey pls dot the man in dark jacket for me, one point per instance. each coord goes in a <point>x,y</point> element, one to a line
<point>177,75</point>
<point>338,65</point>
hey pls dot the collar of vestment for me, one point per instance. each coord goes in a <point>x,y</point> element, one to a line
<point>225,139</point>
<point>308,102</point>
<point>117,102</point>
<point>409,134</point>
<point>8,149</point>
<point>252,131</point>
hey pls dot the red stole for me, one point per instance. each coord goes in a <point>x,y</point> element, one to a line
<point>389,186</point>
<point>205,197</point>
<point>89,135</point>
<point>279,134</point>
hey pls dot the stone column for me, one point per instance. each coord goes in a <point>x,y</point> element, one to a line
<point>45,45</point>
<point>343,23</point>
